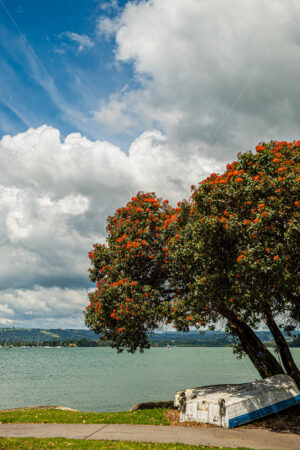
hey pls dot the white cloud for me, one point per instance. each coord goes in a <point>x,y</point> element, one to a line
<point>5,321</point>
<point>218,77</point>
<point>49,306</point>
<point>157,168</point>
<point>83,41</point>
<point>113,115</point>
<point>110,5</point>
<point>55,197</point>
<point>4,309</point>
<point>106,27</point>
<point>210,79</point>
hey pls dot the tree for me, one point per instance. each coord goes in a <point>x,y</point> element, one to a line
<point>229,253</point>
<point>133,294</point>
<point>238,255</point>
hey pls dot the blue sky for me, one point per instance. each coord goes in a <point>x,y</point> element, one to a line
<point>99,100</point>
<point>45,77</point>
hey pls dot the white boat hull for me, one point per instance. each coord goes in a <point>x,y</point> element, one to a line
<point>233,405</point>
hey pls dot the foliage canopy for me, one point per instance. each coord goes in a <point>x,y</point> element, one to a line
<point>230,252</point>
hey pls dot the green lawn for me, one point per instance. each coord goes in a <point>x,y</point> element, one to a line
<point>59,443</point>
<point>141,417</point>
<point>145,417</point>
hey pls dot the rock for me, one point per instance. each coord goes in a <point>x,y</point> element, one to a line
<point>63,408</point>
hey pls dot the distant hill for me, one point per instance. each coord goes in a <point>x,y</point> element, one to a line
<point>295,342</point>
<point>85,337</point>
<point>40,335</point>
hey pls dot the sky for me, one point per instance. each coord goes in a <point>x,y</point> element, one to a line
<point>100,99</point>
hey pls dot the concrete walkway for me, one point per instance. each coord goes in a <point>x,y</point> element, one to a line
<point>218,437</point>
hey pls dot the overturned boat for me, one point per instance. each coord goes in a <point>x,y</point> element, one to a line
<point>231,405</point>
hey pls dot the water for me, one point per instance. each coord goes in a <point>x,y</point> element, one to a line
<point>98,379</point>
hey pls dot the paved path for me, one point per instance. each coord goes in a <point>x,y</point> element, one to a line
<point>253,438</point>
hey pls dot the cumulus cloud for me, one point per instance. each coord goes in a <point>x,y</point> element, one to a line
<point>113,115</point>
<point>210,79</point>
<point>55,196</point>
<point>5,322</point>
<point>4,309</point>
<point>50,307</point>
<point>110,5</point>
<point>218,77</point>
<point>83,41</point>
<point>106,27</point>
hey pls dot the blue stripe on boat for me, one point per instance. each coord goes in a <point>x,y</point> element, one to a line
<point>263,411</point>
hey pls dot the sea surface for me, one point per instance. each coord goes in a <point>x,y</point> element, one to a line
<point>100,379</point>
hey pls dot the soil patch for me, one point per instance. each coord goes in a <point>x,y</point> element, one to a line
<point>152,405</point>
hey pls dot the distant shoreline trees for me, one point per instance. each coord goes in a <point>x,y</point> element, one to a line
<point>230,253</point>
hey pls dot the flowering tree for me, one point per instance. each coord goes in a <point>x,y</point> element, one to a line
<point>229,253</point>
<point>238,255</point>
<point>133,294</point>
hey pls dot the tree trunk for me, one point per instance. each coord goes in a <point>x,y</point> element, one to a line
<point>263,360</point>
<point>286,356</point>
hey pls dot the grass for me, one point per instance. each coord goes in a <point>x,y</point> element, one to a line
<point>142,417</point>
<point>61,443</point>
<point>145,417</point>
